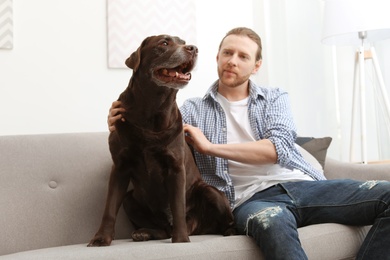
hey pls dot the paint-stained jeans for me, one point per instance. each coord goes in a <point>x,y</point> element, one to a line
<point>272,216</point>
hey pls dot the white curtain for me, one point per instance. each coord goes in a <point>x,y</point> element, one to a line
<point>295,59</point>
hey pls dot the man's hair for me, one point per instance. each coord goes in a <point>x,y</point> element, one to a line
<point>250,34</point>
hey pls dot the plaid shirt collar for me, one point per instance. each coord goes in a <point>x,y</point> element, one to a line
<point>254,92</point>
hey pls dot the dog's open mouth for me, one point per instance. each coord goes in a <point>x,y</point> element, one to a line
<point>180,73</point>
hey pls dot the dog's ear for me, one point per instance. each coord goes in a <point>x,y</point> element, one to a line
<point>134,60</point>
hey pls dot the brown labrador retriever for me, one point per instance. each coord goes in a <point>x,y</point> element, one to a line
<point>169,198</point>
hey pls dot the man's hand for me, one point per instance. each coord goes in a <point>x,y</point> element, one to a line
<point>196,139</point>
<point>114,115</point>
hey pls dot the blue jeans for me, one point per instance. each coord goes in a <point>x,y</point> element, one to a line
<point>272,216</point>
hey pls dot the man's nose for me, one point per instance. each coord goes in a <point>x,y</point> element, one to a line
<point>232,61</point>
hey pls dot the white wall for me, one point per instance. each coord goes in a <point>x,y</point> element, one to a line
<point>56,79</point>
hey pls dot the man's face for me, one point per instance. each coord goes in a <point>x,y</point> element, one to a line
<point>236,60</point>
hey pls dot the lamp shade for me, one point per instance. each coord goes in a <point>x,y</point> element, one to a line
<point>344,19</point>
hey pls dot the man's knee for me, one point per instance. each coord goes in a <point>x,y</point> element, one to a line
<point>265,219</point>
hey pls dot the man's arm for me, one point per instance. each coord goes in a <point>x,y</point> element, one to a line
<point>257,152</point>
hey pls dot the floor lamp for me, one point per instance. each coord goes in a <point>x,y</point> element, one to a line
<point>357,23</point>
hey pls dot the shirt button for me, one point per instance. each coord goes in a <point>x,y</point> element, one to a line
<point>224,129</point>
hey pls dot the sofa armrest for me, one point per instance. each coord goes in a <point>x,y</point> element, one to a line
<point>335,169</point>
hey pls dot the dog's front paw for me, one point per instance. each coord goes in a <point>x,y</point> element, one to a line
<point>183,239</point>
<point>141,235</point>
<point>180,237</point>
<point>100,240</point>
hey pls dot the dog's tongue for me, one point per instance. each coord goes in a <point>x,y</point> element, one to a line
<point>175,74</point>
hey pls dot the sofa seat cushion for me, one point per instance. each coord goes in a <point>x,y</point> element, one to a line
<point>324,241</point>
<point>201,247</point>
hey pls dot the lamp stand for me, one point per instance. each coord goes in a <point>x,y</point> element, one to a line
<point>361,56</point>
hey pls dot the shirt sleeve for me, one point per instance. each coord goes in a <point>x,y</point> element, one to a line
<point>280,130</point>
<point>184,110</point>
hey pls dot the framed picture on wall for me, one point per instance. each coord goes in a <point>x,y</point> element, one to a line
<point>130,22</point>
<point>6,24</point>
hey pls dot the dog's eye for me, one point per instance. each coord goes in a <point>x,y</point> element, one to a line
<point>164,43</point>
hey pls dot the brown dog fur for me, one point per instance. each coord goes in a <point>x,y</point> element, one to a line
<point>169,198</point>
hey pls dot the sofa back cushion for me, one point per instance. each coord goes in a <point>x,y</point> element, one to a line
<point>53,189</point>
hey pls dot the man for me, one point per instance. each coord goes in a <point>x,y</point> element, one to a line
<point>243,136</point>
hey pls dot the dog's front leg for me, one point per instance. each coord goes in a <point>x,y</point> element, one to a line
<point>177,198</point>
<point>117,188</point>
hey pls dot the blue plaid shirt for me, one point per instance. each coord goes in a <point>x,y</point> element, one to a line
<point>270,118</point>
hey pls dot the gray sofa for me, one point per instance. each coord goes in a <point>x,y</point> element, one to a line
<point>52,193</point>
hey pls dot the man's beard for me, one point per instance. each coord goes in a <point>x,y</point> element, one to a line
<point>236,82</point>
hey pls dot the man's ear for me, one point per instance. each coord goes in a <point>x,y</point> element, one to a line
<point>134,60</point>
<point>257,66</point>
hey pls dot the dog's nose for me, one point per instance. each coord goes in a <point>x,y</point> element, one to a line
<point>192,48</point>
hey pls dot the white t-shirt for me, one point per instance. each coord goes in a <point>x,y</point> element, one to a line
<point>250,178</point>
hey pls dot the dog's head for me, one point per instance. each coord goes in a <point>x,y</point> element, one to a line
<point>167,60</point>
